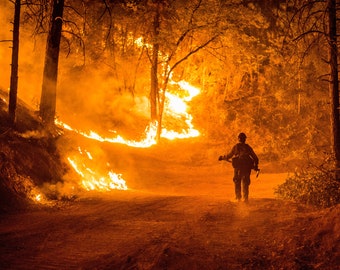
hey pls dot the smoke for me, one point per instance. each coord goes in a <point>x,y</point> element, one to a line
<point>97,96</point>
<point>6,14</point>
<point>30,57</point>
<point>31,61</point>
<point>93,98</point>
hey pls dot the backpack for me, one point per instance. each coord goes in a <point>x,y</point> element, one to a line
<point>243,159</point>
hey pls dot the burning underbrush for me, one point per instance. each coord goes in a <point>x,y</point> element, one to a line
<point>36,168</point>
<point>35,171</point>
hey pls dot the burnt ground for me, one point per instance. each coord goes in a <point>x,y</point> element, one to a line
<point>178,213</point>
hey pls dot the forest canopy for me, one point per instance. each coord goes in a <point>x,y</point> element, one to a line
<point>241,54</point>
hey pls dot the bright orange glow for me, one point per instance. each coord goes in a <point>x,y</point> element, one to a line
<point>93,180</point>
<point>149,140</point>
<point>175,107</point>
<point>38,197</point>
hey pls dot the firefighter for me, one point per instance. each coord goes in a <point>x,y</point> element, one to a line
<point>243,161</point>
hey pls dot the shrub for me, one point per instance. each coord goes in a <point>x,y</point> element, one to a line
<point>314,187</point>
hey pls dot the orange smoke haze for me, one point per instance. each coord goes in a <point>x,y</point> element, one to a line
<point>84,94</point>
<point>5,51</point>
<point>31,53</point>
<point>95,102</point>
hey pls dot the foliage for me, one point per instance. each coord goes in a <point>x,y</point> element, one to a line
<point>263,87</point>
<point>251,79</point>
<point>315,186</point>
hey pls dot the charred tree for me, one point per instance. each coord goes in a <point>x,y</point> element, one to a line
<point>154,91</point>
<point>50,75</point>
<point>14,68</point>
<point>334,83</point>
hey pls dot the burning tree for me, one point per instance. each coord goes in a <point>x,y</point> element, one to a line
<point>177,32</point>
<point>317,21</point>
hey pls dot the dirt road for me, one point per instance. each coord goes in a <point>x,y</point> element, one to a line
<point>134,230</point>
<point>176,215</point>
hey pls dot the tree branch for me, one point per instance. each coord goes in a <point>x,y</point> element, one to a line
<point>308,33</point>
<point>192,52</point>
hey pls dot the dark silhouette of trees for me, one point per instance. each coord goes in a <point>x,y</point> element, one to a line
<point>334,81</point>
<point>49,85</point>
<point>154,87</point>
<point>14,66</point>
<point>315,24</point>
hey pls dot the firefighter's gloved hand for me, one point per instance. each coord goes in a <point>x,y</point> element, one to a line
<point>220,158</point>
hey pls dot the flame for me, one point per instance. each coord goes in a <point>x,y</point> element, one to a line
<point>93,180</point>
<point>38,197</point>
<point>149,140</point>
<point>175,106</point>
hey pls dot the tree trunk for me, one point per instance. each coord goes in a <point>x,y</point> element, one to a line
<point>154,67</point>
<point>161,101</point>
<point>14,68</point>
<point>50,76</point>
<point>334,85</point>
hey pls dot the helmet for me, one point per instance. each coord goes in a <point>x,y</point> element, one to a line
<point>242,136</point>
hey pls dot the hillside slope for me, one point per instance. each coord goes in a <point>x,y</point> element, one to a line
<point>28,159</point>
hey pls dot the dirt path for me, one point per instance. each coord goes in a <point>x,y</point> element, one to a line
<point>185,220</point>
<point>141,231</point>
